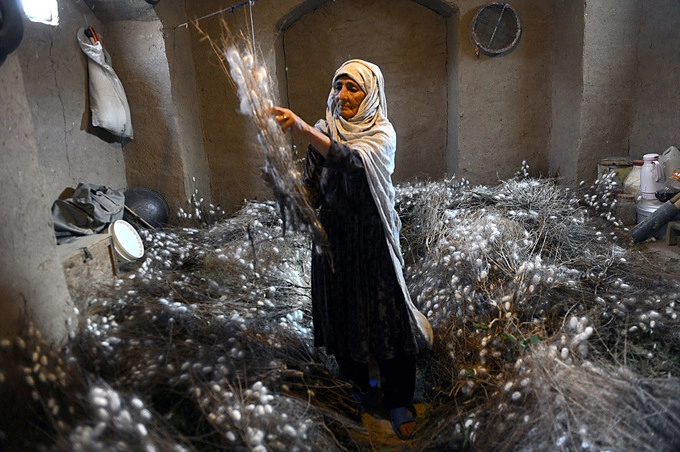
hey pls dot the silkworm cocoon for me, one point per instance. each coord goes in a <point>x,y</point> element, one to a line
<point>142,429</point>
<point>582,336</point>
<point>248,61</point>
<point>260,74</point>
<point>573,323</point>
<point>100,401</point>
<point>232,56</point>
<point>103,414</point>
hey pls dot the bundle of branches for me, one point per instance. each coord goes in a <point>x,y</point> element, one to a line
<point>257,92</point>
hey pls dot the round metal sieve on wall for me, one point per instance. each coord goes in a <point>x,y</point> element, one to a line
<point>495,29</point>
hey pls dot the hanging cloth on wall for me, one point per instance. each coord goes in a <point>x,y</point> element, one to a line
<point>109,105</point>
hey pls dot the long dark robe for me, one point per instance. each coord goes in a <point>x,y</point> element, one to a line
<point>358,306</point>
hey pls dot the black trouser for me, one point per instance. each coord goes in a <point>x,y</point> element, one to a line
<point>397,378</point>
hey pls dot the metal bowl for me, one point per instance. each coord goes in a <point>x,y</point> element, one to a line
<point>147,205</point>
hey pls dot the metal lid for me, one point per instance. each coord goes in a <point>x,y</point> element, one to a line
<point>616,161</point>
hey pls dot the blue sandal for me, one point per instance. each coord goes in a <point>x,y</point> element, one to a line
<point>367,401</point>
<point>400,417</point>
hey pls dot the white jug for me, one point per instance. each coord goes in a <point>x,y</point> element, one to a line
<point>670,159</point>
<point>651,176</point>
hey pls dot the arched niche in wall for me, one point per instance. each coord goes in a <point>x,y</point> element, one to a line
<point>407,39</point>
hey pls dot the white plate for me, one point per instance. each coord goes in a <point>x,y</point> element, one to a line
<point>126,240</point>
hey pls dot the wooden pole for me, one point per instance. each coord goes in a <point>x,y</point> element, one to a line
<point>134,214</point>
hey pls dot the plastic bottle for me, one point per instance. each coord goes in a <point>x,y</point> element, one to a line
<point>631,184</point>
<point>670,159</point>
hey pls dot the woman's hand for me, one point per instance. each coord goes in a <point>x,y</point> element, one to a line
<point>288,120</point>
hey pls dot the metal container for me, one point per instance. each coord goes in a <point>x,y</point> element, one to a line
<point>621,166</point>
<point>626,209</point>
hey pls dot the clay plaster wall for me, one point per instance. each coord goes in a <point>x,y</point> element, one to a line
<point>49,144</point>
<point>588,80</point>
<point>504,107</point>
<point>610,82</point>
<point>614,89</point>
<point>31,278</point>
<point>55,79</point>
<point>655,121</point>
<point>567,89</point>
<point>408,42</point>
<point>454,112</point>
<point>153,60</point>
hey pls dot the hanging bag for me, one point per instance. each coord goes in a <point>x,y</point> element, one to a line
<point>109,105</point>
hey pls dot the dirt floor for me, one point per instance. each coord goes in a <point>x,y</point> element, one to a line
<point>663,253</point>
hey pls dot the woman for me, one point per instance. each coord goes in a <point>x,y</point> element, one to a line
<point>361,308</point>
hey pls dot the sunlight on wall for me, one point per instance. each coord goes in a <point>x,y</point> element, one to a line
<point>43,11</point>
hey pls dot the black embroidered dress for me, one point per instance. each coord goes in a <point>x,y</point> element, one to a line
<point>358,306</point>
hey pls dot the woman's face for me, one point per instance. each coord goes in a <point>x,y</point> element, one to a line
<point>348,96</point>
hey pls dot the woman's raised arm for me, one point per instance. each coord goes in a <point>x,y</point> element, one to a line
<point>287,119</point>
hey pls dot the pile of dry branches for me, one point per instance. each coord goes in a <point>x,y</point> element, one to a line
<point>551,332</point>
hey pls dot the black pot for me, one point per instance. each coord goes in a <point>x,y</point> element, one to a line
<point>146,204</point>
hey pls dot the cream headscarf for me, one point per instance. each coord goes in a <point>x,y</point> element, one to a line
<point>371,134</point>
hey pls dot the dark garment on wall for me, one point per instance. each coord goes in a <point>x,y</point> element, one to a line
<point>357,304</point>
